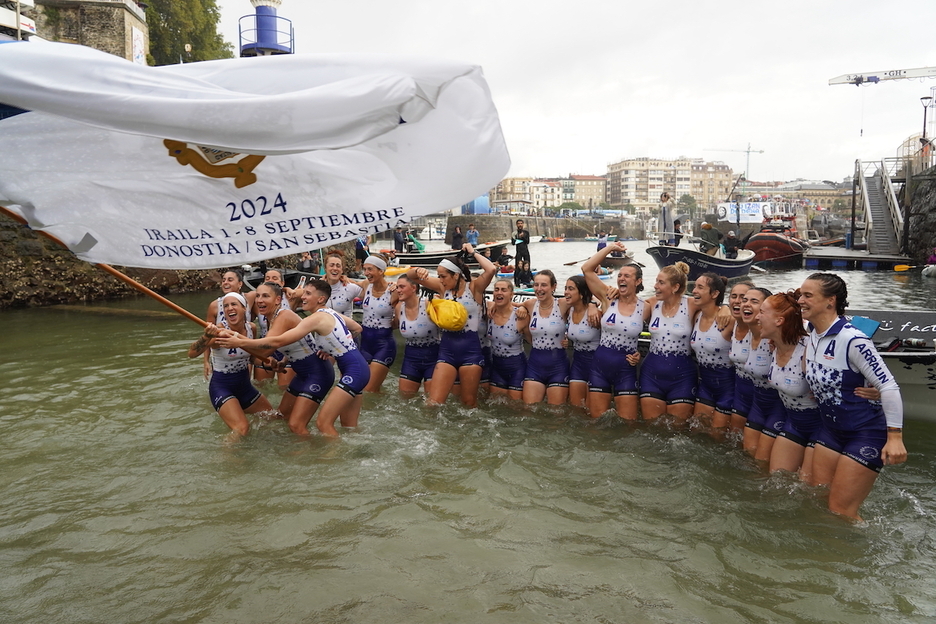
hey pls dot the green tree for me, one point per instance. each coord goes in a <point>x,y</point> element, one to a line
<point>687,204</point>
<point>629,208</point>
<point>174,23</point>
<point>570,206</point>
<point>605,206</point>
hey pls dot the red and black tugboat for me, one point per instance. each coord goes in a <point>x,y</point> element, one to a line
<point>778,243</point>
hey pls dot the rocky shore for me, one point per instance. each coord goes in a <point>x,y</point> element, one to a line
<point>34,271</point>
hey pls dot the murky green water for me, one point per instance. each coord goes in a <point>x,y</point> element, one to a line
<point>120,502</point>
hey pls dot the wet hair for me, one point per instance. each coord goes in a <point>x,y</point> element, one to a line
<point>549,274</point>
<point>832,285</point>
<point>787,306</point>
<point>321,286</point>
<point>716,283</point>
<point>237,272</point>
<point>462,266</point>
<point>334,253</point>
<point>582,287</point>
<point>639,271</point>
<point>505,280</point>
<point>744,282</point>
<point>276,288</point>
<point>763,291</point>
<point>676,274</point>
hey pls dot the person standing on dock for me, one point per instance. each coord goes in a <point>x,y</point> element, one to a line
<point>522,243</point>
<point>399,242</point>
<point>667,235</point>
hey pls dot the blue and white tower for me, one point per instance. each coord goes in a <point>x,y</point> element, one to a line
<point>265,33</point>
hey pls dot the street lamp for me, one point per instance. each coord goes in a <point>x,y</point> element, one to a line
<point>925,101</point>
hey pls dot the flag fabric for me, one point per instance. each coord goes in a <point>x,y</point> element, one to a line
<point>224,162</point>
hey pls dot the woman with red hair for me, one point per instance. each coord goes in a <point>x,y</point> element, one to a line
<point>781,322</point>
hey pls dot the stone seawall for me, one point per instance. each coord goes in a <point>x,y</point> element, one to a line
<point>497,227</point>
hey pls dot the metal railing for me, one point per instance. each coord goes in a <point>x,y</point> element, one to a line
<point>861,169</point>
<point>893,206</point>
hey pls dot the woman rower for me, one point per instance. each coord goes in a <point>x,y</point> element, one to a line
<point>584,337</point>
<point>377,343</point>
<point>343,290</point>
<point>712,345</point>
<point>505,329</point>
<point>668,376</point>
<point>459,351</point>
<point>622,321</point>
<point>857,437</point>
<point>421,335</point>
<point>781,322</point>
<point>313,376</point>
<point>765,418</point>
<point>230,376</point>
<point>740,350</point>
<point>284,376</point>
<point>331,333</point>
<point>231,281</point>
<point>548,365</point>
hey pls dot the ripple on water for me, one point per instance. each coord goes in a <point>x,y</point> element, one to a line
<point>123,502</point>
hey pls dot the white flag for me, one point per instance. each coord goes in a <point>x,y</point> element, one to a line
<point>219,163</point>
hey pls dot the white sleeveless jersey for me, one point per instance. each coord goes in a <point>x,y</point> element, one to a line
<point>583,336</point>
<point>711,348</point>
<point>378,313</point>
<point>231,360</point>
<point>622,332</point>
<point>740,351</point>
<point>547,332</point>
<point>342,297</point>
<point>474,308</point>
<point>671,335</point>
<point>758,364</point>
<point>339,341</point>
<point>790,380</point>
<point>419,333</point>
<point>506,340</point>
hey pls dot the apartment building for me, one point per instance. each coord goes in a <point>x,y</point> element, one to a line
<point>640,181</point>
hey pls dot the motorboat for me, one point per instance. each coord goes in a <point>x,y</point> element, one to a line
<point>777,244</point>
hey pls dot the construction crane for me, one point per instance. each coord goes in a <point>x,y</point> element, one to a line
<point>887,74</point>
<point>748,151</point>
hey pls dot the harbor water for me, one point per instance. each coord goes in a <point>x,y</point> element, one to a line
<point>123,501</point>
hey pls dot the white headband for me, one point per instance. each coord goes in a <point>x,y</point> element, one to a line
<point>377,262</point>
<point>451,266</point>
<point>241,300</point>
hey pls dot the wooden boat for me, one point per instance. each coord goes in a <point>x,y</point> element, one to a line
<point>700,262</point>
<point>777,244</point>
<point>432,258</point>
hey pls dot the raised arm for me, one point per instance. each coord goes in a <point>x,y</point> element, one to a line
<point>488,271</point>
<point>421,276</point>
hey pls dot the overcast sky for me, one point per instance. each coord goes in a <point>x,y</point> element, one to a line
<point>581,84</point>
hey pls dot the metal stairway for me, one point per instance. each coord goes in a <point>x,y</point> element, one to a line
<point>883,237</point>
